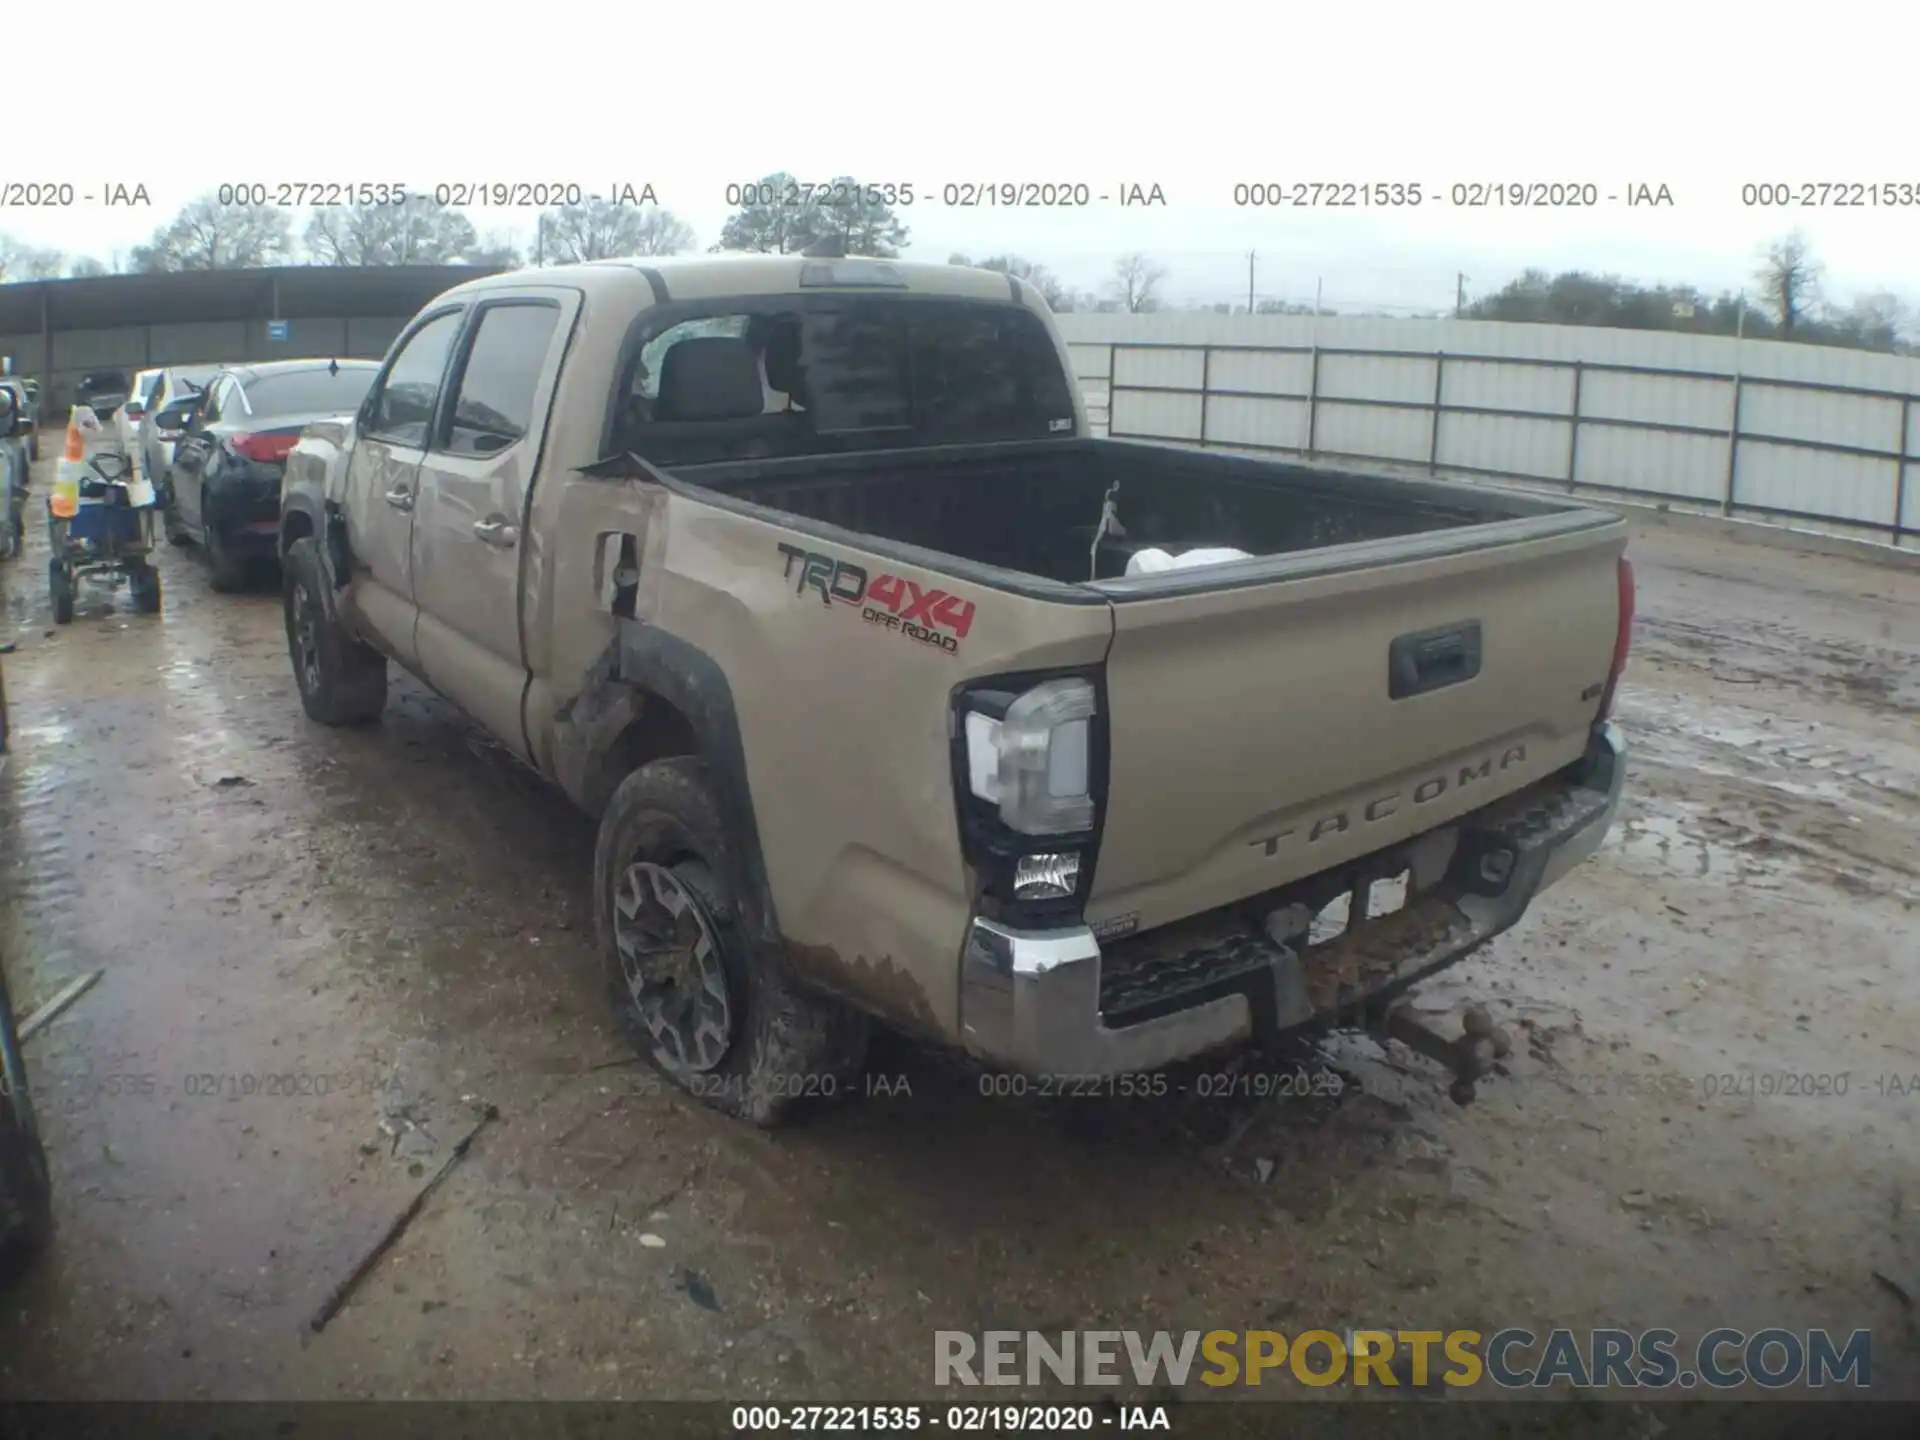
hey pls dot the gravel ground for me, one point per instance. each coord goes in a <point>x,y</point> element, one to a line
<point>322,948</point>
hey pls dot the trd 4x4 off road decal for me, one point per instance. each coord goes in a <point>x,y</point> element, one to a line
<point>919,612</point>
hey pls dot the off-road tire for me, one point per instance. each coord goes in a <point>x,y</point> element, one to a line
<point>790,1048</point>
<point>347,682</point>
<point>227,572</point>
<point>145,585</point>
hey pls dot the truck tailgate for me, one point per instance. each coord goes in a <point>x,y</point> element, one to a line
<point>1271,729</point>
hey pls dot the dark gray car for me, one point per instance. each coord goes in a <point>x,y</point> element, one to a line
<point>26,401</point>
<point>16,456</point>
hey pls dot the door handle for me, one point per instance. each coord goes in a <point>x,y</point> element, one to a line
<point>400,498</point>
<point>497,533</point>
<point>1433,659</point>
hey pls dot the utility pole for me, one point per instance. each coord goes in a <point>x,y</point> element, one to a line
<point>1459,295</point>
<point>1250,259</point>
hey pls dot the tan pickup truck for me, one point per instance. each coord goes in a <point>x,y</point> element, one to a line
<point>900,696</point>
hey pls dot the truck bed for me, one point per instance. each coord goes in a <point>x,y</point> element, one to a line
<point>1399,652</point>
<point>1034,509</point>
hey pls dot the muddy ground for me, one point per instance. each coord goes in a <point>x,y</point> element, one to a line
<point>388,922</point>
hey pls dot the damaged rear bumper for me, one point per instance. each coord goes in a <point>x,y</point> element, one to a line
<point>1054,1002</point>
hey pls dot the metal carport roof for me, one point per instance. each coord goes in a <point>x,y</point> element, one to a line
<point>289,292</point>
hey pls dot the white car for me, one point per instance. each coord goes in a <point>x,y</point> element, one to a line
<point>161,420</point>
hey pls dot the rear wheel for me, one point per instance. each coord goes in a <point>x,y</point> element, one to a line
<point>229,571</point>
<point>342,681</point>
<point>60,585</point>
<point>718,1019</point>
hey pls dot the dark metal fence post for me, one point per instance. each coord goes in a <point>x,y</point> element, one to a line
<point>1433,438</point>
<point>1206,383</point>
<point>1313,398</point>
<point>1733,447</point>
<point>1573,428</point>
<point>46,360</point>
<point>1113,374</point>
<point>1900,472</point>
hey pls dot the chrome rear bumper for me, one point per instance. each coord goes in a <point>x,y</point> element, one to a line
<point>1048,1002</point>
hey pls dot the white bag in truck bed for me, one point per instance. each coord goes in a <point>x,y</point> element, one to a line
<point>1152,562</point>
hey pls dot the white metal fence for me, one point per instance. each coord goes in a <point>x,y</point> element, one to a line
<point>1806,435</point>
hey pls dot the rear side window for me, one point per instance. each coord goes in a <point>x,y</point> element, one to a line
<point>404,411</point>
<point>841,373</point>
<point>310,392</point>
<point>494,404</point>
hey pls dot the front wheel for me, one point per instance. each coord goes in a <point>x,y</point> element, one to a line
<point>171,522</point>
<point>342,680</point>
<point>60,585</point>
<point>145,584</point>
<point>695,998</point>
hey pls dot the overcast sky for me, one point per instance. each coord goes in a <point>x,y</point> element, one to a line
<point>1193,97</point>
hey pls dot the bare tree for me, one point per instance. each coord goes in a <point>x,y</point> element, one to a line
<point>418,231</point>
<point>1789,279</point>
<point>1052,289</point>
<point>1136,283</point>
<point>21,261</point>
<point>1878,321</point>
<point>85,267</point>
<point>207,235</point>
<point>602,230</point>
<point>499,248</point>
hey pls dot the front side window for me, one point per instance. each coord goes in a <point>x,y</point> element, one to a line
<point>493,407</point>
<point>404,411</point>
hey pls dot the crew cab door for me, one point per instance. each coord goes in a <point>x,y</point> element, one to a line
<point>383,475</point>
<point>473,492</point>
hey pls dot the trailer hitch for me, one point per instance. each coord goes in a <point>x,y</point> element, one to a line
<point>1470,1056</point>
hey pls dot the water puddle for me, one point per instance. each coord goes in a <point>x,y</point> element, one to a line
<point>1683,842</point>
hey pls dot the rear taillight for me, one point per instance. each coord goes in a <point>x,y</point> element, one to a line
<point>270,447</point>
<point>1622,638</point>
<point>1030,771</point>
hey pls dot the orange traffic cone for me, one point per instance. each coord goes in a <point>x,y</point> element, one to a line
<point>64,503</point>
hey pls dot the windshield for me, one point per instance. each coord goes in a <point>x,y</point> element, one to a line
<point>303,392</point>
<point>831,373</point>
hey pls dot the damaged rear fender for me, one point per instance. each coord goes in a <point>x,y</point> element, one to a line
<point>649,696</point>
